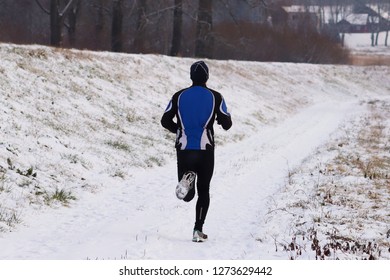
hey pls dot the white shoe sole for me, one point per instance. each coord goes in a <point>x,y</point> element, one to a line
<point>198,238</point>
<point>185,184</point>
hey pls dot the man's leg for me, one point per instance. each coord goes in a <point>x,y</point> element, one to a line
<point>186,162</point>
<point>205,173</point>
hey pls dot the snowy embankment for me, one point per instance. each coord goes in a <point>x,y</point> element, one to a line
<point>86,171</point>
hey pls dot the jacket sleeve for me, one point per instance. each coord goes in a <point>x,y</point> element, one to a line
<point>223,116</point>
<point>168,116</point>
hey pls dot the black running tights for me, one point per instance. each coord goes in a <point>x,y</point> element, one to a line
<point>202,163</point>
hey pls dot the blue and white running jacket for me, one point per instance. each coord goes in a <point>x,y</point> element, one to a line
<point>195,109</point>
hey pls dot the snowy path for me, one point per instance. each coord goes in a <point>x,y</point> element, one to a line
<point>124,222</point>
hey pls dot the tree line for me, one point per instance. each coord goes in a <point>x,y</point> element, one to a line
<point>139,26</point>
<point>220,29</point>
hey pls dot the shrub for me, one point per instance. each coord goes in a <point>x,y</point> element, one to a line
<point>248,41</point>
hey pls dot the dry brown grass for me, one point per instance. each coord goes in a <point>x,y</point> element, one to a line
<point>370,59</point>
<point>339,208</point>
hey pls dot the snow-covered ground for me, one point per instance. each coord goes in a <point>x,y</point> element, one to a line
<point>361,43</point>
<point>87,172</point>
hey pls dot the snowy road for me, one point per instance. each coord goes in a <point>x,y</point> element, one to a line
<point>142,219</point>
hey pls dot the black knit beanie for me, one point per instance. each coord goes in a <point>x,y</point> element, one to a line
<point>199,72</point>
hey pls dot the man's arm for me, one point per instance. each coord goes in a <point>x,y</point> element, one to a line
<point>223,116</point>
<point>167,119</point>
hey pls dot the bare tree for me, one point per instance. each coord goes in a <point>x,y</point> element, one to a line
<point>386,23</point>
<point>382,22</point>
<point>72,19</point>
<point>177,27</point>
<point>142,20</point>
<point>100,10</point>
<point>204,37</point>
<point>116,31</point>
<point>57,16</point>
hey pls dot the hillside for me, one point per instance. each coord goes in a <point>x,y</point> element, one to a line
<point>84,160</point>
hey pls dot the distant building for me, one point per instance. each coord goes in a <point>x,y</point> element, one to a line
<point>347,19</point>
<point>295,16</point>
<point>300,15</point>
<point>354,23</point>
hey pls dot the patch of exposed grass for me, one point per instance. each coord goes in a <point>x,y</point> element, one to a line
<point>62,196</point>
<point>119,145</point>
<point>341,214</point>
